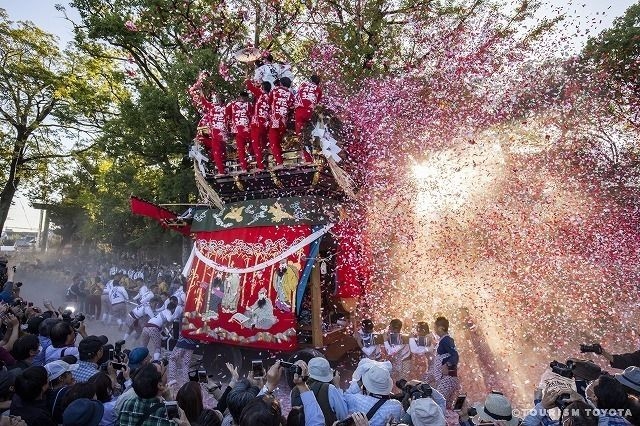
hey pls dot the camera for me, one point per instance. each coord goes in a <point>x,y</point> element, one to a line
<point>172,410</point>
<point>562,401</point>
<point>564,370</point>
<point>257,368</point>
<point>74,320</point>
<point>119,366</point>
<point>164,362</point>
<point>414,389</point>
<point>117,350</point>
<point>346,422</point>
<point>457,406</point>
<point>291,367</point>
<point>594,348</point>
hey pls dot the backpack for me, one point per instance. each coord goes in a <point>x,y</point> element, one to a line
<point>321,391</point>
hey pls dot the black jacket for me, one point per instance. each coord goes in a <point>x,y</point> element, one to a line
<point>623,361</point>
<point>34,413</point>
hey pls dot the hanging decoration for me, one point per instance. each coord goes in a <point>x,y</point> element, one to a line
<point>207,194</point>
<point>330,150</point>
<point>196,253</point>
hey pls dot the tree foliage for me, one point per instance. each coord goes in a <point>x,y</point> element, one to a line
<point>52,103</point>
<point>617,50</point>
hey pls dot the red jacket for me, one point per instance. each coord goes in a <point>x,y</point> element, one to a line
<point>260,115</point>
<point>214,115</point>
<point>239,113</point>
<point>281,102</point>
<point>308,96</point>
<point>216,118</point>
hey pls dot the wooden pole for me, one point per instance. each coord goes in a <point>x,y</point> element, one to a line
<point>316,307</point>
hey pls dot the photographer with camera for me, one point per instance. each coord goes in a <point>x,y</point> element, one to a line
<point>9,289</point>
<point>552,398</point>
<point>424,405</point>
<point>147,406</point>
<point>619,361</point>
<point>329,397</point>
<point>63,338</point>
<point>496,410</point>
<point>414,389</point>
<point>11,325</point>
<point>374,397</point>
<point>312,412</point>
<point>44,328</point>
<point>609,396</point>
<point>90,350</point>
<point>559,382</point>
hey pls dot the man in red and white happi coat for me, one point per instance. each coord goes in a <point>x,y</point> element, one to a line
<point>308,96</point>
<point>281,104</point>
<point>259,120</point>
<point>213,126</point>
<point>239,113</point>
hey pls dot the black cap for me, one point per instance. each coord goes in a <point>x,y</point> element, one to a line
<point>367,325</point>
<point>90,345</point>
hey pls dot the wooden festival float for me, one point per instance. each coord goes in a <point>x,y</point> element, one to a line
<point>269,268</point>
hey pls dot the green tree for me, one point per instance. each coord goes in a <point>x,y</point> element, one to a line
<point>161,46</point>
<point>52,104</point>
<point>617,49</point>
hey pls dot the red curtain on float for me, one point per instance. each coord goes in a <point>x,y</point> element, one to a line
<point>351,266</point>
<point>249,308</point>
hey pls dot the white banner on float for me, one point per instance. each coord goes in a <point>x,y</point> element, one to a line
<point>288,252</point>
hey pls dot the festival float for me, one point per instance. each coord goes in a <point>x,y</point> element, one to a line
<point>272,264</point>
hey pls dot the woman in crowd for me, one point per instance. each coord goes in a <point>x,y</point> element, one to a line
<point>104,393</point>
<point>60,380</point>
<point>189,398</point>
<point>77,391</point>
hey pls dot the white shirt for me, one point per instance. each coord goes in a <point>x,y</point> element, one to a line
<point>54,354</point>
<point>180,295</point>
<point>113,270</point>
<point>139,274</point>
<point>144,294</point>
<point>417,349</point>
<point>108,287</point>
<point>268,72</point>
<point>142,310</point>
<point>159,319</point>
<point>118,295</point>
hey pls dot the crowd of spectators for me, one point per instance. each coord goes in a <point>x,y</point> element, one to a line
<point>52,372</point>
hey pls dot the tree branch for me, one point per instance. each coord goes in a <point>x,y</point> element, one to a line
<point>45,156</point>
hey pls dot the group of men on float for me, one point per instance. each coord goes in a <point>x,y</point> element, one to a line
<point>259,122</point>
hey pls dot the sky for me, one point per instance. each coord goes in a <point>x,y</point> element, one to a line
<point>584,18</point>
